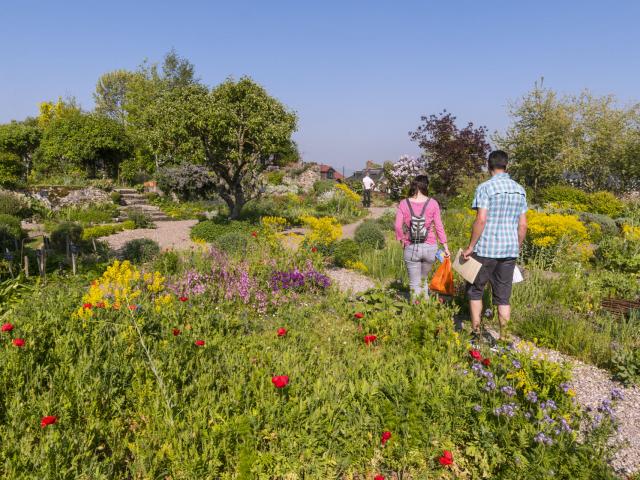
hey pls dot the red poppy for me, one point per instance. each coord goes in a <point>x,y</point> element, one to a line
<point>385,437</point>
<point>314,249</point>
<point>486,362</point>
<point>280,381</point>
<point>358,315</point>
<point>133,307</point>
<point>176,332</point>
<point>282,332</point>
<point>369,339</point>
<point>446,458</point>
<point>254,234</point>
<point>475,354</point>
<point>100,305</point>
<point>48,420</point>
<point>199,343</point>
<point>183,299</point>
<point>87,306</point>
<point>7,327</point>
<point>18,342</point>
<point>378,477</point>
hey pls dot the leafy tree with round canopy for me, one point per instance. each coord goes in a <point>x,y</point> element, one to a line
<point>236,129</point>
<point>21,139</point>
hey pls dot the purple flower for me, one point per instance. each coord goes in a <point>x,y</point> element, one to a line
<point>617,394</point>
<point>605,407</point>
<point>527,415</point>
<point>543,439</point>
<point>549,404</point>
<point>508,390</point>
<point>565,387</point>
<point>477,408</point>
<point>516,364</point>
<point>490,386</point>
<point>532,396</point>
<point>508,410</point>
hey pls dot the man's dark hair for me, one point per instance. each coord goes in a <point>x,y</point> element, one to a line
<point>498,160</point>
<point>421,183</point>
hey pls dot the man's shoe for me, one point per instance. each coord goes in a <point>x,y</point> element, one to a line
<point>476,339</point>
<point>487,337</point>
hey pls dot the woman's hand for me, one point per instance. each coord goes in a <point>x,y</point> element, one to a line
<point>446,251</point>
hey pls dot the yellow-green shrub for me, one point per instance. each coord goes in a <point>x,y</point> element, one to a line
<point>547,229</point>
<point>323,231</point>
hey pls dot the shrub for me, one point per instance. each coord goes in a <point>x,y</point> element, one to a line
<point>322,186</point>
<point>210,230</point>
<point>548,229</point>
<point>370,235</point>
<point>188,181</point>
<point>11,170</point>
<point>10,231</point>
<point>615,253</point>
<point>90,214</point>
<point>140,218</point>
<point>15,205</point>
<point>323,231</point>
<point>63,232</point>
<point>167,263</point>
<point>605,203</point>
<point>140,250</point>
<point>275,177</point>
<point>618,284</point>
<point>606,224</point>
<point>232,243</point>
<point>98,231</point>
<point>115,197</point>
<point>129,225</point>
<point>346,251</point>
<point>564,193</point>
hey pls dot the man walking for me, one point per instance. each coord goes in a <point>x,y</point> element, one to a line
<point>368,185</point>
<point>496,237</point>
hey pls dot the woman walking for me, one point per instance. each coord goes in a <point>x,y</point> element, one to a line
<point>419,228</point>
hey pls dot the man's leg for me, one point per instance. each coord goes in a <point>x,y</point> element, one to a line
<point>475,308</point>
<point>502,283</point>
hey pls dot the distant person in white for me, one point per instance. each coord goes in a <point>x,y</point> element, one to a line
<point>368,185</point>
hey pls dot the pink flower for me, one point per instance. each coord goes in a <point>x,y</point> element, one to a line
<point>7,327</point>
<point>358,315</point>
<point>176,332</point>
<point>18,342</point>
<point>183,299</point>
<point>475,354</point>
<point>254,234</point>
<point>199,343</point>
<point>486,362</point>
<point>87,306</point>
<point>378,477</point>
<point>282,332</point>
<point>280,381</point>
<point>385,437</point>
<point>446,459</point>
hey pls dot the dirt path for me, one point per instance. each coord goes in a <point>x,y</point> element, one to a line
<point>169,234</point>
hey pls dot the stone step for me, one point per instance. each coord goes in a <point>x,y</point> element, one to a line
<point>135,201</point>
<point>126,196</point>
<point>145,207</point>
<point>126,191</point>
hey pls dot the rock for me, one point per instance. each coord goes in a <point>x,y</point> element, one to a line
<point>83,197</point>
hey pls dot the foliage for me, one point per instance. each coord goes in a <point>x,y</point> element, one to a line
<point>21,139</point>
<point>275,178</point>
<point>590,141</point>
<point>183,210</point>
<point>322,186</point>
<point>547,230</point>
<point>140,250</point>
<point>111,92</point>
<point>600,225</point>
<point>346,251</point>
<point>369,235</point>
<point>210,230</point>
<point>232,243</point>
<point>139,217</point>
<point>13,204</point>
<point>323,233</point>
<point>187,181</point>
<point>83,143</point>
<point>236,127</point>
<point>12,170</point>
<point>10,231</point>
<point>273,224</point>
<point>603,203</point>
<point>98,231</point>
<point>625,365</point>
<point>116,197</point>
<point>400,174</point>
<point>66,232</point>
<point>341,202</point>
<point>618,284</point>
<point>451,153</point>
<point>618,254</point>
<point>168,262</point>
<point>89,214</point>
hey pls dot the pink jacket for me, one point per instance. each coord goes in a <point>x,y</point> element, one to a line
<point>431,216</point>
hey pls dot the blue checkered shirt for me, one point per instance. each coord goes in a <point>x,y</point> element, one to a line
<point>505,200</point>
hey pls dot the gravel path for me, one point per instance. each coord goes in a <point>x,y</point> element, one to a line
<point>169,234</point>
<point>349,281</point>
<point>593,385</point>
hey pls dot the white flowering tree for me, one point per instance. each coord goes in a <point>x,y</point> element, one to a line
<point>400,173</point>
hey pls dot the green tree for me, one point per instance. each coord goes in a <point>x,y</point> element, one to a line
<point>111,92</point>
<point>21,139</point>
<point>539,141</point>
<point>11,170</point>
<point>83,143</point>
<point>236,129</point>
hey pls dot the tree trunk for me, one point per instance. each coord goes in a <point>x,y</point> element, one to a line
<point>238,203</point>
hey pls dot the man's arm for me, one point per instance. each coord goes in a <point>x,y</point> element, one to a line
<point>476,231</point>
<point>522,228</point>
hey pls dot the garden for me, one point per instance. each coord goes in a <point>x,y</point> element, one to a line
<point>239,354</point>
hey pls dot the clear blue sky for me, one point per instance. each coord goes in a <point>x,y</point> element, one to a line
<point>358,73</point>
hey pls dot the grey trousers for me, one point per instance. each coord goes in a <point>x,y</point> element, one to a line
<point>419,259</point>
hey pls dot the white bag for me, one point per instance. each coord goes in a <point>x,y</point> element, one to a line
<point>517,275</point>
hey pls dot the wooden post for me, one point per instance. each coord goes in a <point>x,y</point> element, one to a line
<point>73,263</point>
<point>26,266</point>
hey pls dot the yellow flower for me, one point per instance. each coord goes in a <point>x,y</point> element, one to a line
<point>350,194</point>
<point>323,231</point>
<point>548,229</point>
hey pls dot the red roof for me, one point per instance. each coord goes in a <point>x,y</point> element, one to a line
<point>327,168</point>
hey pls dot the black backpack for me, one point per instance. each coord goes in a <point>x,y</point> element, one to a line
<point>418,229</point>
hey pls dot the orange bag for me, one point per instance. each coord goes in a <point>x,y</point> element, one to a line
<point>442,281</point>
